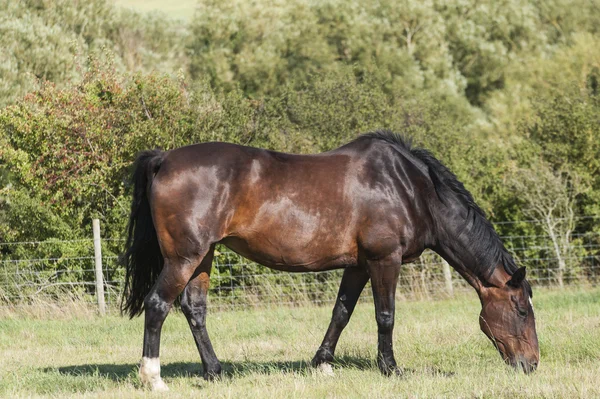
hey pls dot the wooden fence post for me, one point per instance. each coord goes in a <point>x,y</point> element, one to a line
<point>447,277</point>
<point>98,266</point>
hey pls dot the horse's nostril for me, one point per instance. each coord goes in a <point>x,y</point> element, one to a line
<point>529,367</point>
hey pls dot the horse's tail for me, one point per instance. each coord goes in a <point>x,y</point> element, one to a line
<point>142,258</point>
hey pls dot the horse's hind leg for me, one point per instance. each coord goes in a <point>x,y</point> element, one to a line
<point>384,276</point>
<point>193,304</point>
<point>173,278</point>
<point>353,282</point>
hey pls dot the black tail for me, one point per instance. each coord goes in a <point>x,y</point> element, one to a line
<point>143,259</point>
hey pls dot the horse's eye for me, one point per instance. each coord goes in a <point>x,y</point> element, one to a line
<point>522,312</point>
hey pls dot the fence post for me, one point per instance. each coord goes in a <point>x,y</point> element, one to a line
<point>98,266</point>
<point>447,277</point>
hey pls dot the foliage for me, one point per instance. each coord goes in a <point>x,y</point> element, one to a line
<point>566,126</point>
<point>70,149</point>
<point>550,197</point>
<point>45,40</point>
<point>490,88</point>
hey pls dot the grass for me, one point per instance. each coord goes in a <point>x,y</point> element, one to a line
<point>182,9</point>
<point>265,353</point>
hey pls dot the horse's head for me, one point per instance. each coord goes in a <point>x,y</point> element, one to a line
<point>508,321</point>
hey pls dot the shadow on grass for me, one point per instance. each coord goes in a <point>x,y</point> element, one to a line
<point>122,372</point>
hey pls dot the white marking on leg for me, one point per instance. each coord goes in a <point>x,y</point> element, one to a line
<point>326,369</point>
<point>150,374</point>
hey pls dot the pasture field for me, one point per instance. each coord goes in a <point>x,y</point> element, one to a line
<point>68,351</point>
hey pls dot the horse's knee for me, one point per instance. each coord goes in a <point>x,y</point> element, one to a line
<point>385,321</point>
<point>341,316</point>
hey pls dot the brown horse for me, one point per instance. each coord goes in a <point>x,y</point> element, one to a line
<point>367,207</point>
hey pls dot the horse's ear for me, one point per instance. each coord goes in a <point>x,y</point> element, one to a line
<point>517,278</point>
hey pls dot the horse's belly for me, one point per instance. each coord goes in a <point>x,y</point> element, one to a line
<point>283,252</point>
<point>292,233</point>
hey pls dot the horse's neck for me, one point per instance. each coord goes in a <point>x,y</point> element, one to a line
<point>456,250</point>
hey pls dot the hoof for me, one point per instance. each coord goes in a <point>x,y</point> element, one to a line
<point>212,375</point>
<point>323,355</point>
<point>159,386</point>
<point>150,375</point>
<point>326,369</point>
<point>390,369</point>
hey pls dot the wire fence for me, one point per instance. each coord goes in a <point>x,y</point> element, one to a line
<point>236,282</point>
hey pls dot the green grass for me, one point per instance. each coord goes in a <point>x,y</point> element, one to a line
<point>182,9</point>
<point>265,353</point>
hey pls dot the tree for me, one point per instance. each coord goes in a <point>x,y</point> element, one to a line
<point>551,196</point>
<point>47,40</point>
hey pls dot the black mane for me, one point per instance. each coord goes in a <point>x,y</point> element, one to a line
<point>489,251</point>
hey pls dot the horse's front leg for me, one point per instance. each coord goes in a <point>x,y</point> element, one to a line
<point>193,304</point>
<point>353,282</point>
<point>384,276</point>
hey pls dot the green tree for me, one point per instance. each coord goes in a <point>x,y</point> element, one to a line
<point>49,40</point>
<point>551,197</point>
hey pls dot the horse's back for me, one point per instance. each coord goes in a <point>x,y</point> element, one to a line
<point>294,212</point>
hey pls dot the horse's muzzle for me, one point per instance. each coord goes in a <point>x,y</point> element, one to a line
<point>528,366</point>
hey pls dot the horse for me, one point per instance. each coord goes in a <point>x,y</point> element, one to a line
<point>367,207</point>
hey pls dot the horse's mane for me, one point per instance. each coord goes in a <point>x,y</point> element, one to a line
<point>488,249</point>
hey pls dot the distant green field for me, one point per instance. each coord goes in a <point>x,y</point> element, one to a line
<point>182,9</point>
<point>265,353</point>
